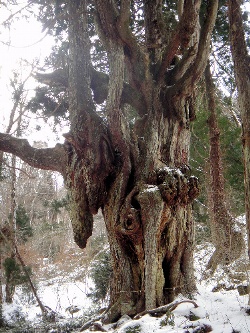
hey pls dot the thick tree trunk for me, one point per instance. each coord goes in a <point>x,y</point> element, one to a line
<point>149,224</point>
<point>228,242</point>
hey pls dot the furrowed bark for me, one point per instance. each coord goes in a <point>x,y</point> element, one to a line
<point>135,170</point>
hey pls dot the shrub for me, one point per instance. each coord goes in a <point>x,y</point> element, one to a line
<point>100,274</point>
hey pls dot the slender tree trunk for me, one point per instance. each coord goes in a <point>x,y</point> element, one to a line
<point>242,74</point>
<point>42,307</point>
<point>228,243</point>
<point>1,287</point>
<point>10,285</point>
<point>13,245</point>
<point>1,275</point>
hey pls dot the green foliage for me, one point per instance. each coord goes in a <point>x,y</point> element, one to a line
<point>13,272</point>
<point>168,320</point>
<point>133,329</point>
<point>57,204</point>
<point>100,274</point>
<point>23,224</point>
<point>51,101</point>
<point>52,16</point>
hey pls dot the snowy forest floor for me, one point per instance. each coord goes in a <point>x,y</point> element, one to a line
<point>221,308</point>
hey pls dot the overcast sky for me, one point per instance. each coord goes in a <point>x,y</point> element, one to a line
<point>25,40</point>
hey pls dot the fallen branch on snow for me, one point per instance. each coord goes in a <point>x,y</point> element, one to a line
<point>165,308</point>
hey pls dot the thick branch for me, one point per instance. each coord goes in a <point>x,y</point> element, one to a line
<point>81,105</point>
<point>48,158</point>
<point>154,24</point>
<point>113,29</point>
<point>182,36</point>
<point>193,74</point>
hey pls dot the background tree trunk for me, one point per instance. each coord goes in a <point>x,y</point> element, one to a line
<point>242,74</point>
<point>228,242</point>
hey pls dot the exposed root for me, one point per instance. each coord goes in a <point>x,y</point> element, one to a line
<point>112,314</point>
<point>165,308</point>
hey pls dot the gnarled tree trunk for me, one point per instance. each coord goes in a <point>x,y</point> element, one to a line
<point>150,224</point>
<point>136,172</point>
<point>139,175</point>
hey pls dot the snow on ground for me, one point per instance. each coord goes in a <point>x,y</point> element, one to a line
<point>53,294</point>
<point>223,311</point>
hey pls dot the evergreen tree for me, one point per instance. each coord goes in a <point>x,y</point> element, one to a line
<point>23,224</point>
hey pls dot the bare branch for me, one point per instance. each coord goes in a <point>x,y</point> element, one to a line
<point>53,159</point>
<point>11,16</point>
<point>19,169</point>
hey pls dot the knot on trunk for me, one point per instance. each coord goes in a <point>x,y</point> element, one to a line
<point>176,187</point>
<point>91,165</point>
<point>132,221</point>
<point>130,217</point>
